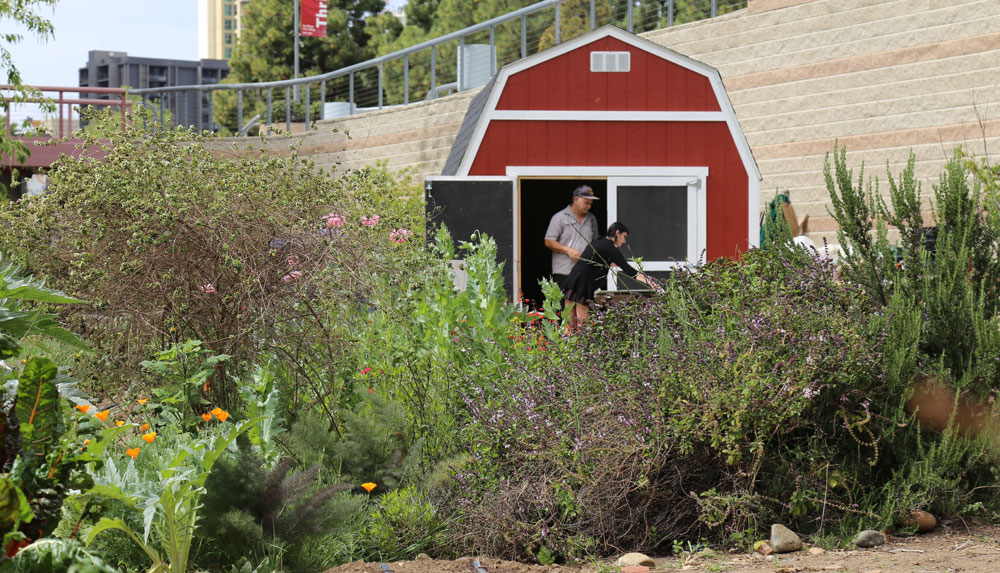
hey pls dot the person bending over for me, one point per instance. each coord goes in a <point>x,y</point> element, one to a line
<point>581,284</point>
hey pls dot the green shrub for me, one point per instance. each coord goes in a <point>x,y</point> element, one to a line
<point>172,240</point>
<point>402,524</point>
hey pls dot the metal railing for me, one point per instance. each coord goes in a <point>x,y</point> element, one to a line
<point>61,102</point>
<point>457,61</point>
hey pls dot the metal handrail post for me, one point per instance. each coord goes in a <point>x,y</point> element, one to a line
<point>630,2</point>
<point>433,70</point>
<point>493,53</point>
<point>308,90</point>
<point>593,15</point>
<point>124,105</point>
<point>322,98</point>
<point>239,109</point>
<point>558,23</point>
<point>288,109</point>
<point>380,71</point>
<point>461,61</point>
<point>211,111</point>
<point>670,13</point>
<point>406,79</point>
<point>269,109</point>
<point>524,36</point>
<point>715,8</point>
<point>350,97</point>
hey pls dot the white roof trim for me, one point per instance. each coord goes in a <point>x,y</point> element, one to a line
<point>719,90</point>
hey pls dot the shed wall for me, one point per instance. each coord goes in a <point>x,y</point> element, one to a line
<point>639,144</point>
<point>566,83</point>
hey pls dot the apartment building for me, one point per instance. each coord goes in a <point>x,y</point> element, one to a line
<point>118,69</point>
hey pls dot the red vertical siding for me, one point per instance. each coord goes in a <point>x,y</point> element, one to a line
<point>578,143</point>
<point>653,84</point>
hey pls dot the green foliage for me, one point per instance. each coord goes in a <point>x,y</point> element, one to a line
<point>250,512</point>
<point>49,555</point>
<point>172,240</point>
<point>402,524</point>
<point>184,371</point>
<point>167,497</point>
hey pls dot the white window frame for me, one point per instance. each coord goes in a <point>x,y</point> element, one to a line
<point>695,178</point>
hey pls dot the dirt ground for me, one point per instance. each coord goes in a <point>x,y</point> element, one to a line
<point>954,548</point>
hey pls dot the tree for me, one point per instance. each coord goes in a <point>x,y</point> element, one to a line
<point>266,51</point>
<point>23,13</point>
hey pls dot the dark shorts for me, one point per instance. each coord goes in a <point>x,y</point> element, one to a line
<point>560,280</point>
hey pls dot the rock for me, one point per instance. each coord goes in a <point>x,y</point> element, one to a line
<point>870,538</point>
<point>769,558</point>
<point>784,540</point>
<point>422,557</point>
<point>816,551</point>
<point>923,521</point>
<point>763,548</point>
<point>632,559</point>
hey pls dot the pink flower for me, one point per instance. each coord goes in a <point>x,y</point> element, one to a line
<point>293,262</point>
<point>333,220</point>
<point>291,276</point>
<point>400,235</point>
<point>369,221</point>
<point>207,289</point>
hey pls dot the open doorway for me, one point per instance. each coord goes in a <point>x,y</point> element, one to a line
<point>539,199</point>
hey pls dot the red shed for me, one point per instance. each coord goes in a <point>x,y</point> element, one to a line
<point>652,131</point>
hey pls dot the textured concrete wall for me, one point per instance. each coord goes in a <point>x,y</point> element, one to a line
<point>881,76</point>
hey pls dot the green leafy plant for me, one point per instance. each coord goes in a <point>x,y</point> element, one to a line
<point>168,498</point>
<point>185,369</point>
<point>48,555</point>
<point>402,524</point>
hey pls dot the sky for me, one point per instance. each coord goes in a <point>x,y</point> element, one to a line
<point>144,28</point>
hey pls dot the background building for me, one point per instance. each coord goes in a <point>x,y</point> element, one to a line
<point>218,27</point>
<point>118,69</point>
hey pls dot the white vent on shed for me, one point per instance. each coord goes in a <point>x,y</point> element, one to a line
<point>610,61</point>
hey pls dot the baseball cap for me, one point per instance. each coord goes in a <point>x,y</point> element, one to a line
<point>586,192</point>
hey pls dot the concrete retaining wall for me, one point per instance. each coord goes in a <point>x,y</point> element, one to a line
<point>883,77</point>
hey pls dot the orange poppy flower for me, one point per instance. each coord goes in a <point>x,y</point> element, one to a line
<point>142,401</point>
<point>222,415</point>
<point>149,437</point>
<point>133,453</point>
<point>85,442</point>
<point>83,407</point>
<point>369,486</point>
<point>143,427</point>
<point>215,411</point>
<point>206,416</point>
<point>119,423</point>
<point>102,416</point>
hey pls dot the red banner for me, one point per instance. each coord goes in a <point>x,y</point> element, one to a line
<point>313,18</point>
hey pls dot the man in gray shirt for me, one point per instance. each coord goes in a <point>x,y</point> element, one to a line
<point>570,231</point>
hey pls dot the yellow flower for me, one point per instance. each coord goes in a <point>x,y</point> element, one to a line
<point>142,401</point>
<point>119,423</point>
<point>83,407</point>
<point>143,427</point>
<point>149,437</point>
<point>369,486</point>
<point>102,416</point>
<point>133,453</point>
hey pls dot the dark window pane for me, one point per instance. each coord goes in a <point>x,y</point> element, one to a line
<point>657,222</point>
